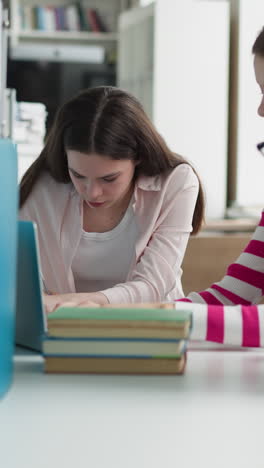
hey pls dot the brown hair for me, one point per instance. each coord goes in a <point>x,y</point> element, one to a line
<point>258,46</point>
<point>109,122</point>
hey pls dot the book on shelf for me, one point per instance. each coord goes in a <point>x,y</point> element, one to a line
<point>95,21</point>
<point>73,20</point>
<point>60,19</point>
<point>49,19</point>
<point>83,17</point>
<point>28,18</point>
<point>133,338</point>
<point>40,18</point>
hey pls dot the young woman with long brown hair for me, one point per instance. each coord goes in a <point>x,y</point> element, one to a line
<point>114,206</point>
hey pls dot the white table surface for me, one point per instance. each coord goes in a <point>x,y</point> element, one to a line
<point>213,416</point>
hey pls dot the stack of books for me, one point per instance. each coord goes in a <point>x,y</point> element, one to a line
<point>139,339</point>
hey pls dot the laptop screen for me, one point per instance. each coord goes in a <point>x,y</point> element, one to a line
<point>30,316</point>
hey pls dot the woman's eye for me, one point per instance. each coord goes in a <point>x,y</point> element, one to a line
<point>77,176</point>
<point>109,180</point>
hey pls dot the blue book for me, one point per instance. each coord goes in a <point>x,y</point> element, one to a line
<point>110,347</point>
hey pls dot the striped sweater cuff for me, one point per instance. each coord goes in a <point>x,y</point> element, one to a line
<point>199,318</point>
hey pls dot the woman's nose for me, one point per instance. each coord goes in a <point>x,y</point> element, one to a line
<point>93,191</point>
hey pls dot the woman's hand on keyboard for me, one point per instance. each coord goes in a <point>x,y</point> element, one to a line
<point>52,302</point>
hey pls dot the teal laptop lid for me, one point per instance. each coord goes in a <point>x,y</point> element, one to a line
<point>30,316</point>
<point>8,256</point>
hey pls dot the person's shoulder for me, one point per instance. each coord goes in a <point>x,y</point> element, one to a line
<point>44,181</point>
<point>173,180</point>
<point>46,185</point>
<point>181,177</point>
<point>46,193</point>
<point>183,170</point>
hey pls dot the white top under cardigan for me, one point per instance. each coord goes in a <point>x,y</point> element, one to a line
<point>102,259</point>
<point>163,208</point>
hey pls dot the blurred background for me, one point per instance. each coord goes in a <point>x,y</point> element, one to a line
<point>189,62</point>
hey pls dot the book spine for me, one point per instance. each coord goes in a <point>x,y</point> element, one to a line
<point>83,19</point>
<point>100,22</point>
<point>91,13</point>
<point>115,366</point>
<point>72,18</point>
<point>62,15</point>
<point>114,347</point>
<point>40,18</point>
<point>57,19</point>
<point>129,315</point>
<point>118,332</point>
<point>22,18</point>
<point>50,19</point>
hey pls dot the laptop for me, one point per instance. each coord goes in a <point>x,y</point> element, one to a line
<point>30,315</point>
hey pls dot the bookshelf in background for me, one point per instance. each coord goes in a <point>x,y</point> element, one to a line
<point>59,56</point>
<point>65,22</point>
<point>73,17</point>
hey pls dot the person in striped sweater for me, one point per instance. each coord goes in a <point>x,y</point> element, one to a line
<point>227,311</point>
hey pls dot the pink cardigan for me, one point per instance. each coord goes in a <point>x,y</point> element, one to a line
<point>164,207</point>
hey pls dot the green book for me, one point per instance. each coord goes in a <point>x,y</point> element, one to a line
<point>107,313</point>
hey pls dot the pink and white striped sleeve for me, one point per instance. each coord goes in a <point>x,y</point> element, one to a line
<point>231,325</point>
<point>225,313</point>
<point>244,279</point>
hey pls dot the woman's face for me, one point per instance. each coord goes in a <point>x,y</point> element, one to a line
<point>259,74</point>
<point>100,180</point>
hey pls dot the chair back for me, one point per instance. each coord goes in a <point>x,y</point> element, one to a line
<point>207,258</point>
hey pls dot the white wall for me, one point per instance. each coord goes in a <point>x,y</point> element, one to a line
<point>250,169</point>
<point>191,88</point>
<point>145,2</point>
<point>135,54</point>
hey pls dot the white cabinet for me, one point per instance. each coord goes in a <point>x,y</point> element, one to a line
<point>135,54</point>
<point>183,82</point>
